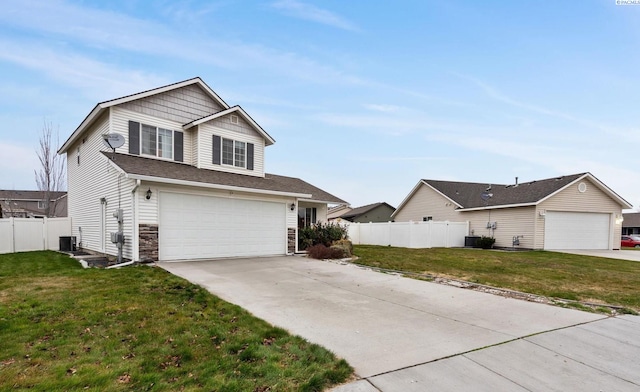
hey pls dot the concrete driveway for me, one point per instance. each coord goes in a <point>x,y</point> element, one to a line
<point>403,334</point>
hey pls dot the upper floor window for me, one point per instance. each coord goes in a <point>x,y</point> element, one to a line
<point>156,141</point>
<point>232,152</point>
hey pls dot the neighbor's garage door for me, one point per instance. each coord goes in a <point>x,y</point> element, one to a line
<point>576,230</point>
<point>197,227</point>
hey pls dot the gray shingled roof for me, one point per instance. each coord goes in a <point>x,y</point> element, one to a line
<point>631,219</point>
<point>28,195</point>
<point>362,210</point>
<point>150,167</point>
<point>469,194</point>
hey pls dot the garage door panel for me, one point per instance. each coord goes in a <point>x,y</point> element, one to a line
<point>194,226</point>
<point>576,230</point>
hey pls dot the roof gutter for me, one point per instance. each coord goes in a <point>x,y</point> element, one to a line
<point>307,200</point>
<point>214,186</point>
<point>498,207</point>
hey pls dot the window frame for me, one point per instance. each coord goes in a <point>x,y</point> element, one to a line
<point>307,216</point>
<point>235,157</point>
<point>159,144</point>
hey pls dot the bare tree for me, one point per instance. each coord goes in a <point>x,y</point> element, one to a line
<point>9,205</point>
<point>50,177</point>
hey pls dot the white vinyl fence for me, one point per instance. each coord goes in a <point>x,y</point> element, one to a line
<point>27,234</point>
<point>429,234</point>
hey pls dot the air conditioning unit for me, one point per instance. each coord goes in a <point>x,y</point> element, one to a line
<point>67,244</point>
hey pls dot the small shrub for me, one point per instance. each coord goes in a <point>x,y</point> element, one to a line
<point>321,233</point>
<point>322,252</point>
<point>485,242</point>
<point>345,246</point>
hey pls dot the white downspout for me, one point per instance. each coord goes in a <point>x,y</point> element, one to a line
<point>135,252</point>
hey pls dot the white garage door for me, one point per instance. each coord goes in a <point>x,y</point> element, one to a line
<point>197,227</point>
<point>576,230</point>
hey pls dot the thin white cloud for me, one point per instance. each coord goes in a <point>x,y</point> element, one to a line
<point>103,32</point>
<point>382,108</point>
<point>312,13</point>
<point>494,93</point>
<point>98,80</point>
<point>396,159</point>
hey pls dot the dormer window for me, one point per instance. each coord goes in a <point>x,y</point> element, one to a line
<point>234,153</point>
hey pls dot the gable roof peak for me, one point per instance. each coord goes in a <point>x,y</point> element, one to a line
<point>238,110</point>
<point>102,106</point>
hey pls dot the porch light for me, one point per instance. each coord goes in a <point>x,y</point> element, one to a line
<point>619,219</point>
<point>292,207</point>
<point>148,194</point>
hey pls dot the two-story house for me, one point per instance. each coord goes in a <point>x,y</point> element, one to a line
<point>188,174</point>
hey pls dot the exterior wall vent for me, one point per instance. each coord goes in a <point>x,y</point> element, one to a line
<point>582,187</point>
<point>234,119</point>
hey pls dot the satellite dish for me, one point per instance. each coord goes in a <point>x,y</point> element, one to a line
<point>113,140</point>
<point>486,196</point>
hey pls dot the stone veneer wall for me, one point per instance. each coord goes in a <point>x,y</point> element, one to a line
<point>148,242</point>
<point>291,240</point>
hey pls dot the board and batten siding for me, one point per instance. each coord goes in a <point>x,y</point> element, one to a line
<point>205,142</point>
<point>89,181</point>
<point>181,105</point>
<point>427,202</point>
<point>571,199</point>
<point>120,124</point>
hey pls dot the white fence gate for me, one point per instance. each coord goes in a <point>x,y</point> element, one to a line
<point>430,234</point>
<point>28,234</point>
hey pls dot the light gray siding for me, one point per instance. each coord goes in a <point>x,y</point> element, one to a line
<point>88,182</point>
<point>120,124</point>
<point>242,126</point>
<point>181,105</point>
<point>510,222</point>
<point>427,202</point>
<point>205,142</point>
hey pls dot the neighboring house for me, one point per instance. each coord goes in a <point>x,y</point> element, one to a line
<point>32,204</point>
<point>631,223</point>
<point>335,211</point>
<point>569,212</point>
<point>376,212</point>
<point>189,178</point>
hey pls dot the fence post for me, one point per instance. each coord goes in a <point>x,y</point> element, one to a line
<point>447,240</point>
<point>13,234</point>
<point>45,233</point>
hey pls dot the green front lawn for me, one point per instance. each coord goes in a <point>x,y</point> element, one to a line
<point>552,274</point>
<point>64,328</point>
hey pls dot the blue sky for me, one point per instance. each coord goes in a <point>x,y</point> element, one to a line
<point>363,97</point>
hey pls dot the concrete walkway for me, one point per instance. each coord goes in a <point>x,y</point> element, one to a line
<point>403,334</point>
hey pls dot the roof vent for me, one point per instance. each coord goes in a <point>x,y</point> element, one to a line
<point>234,119</point>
